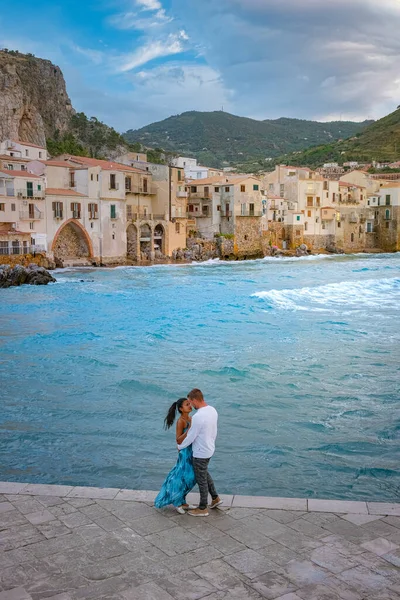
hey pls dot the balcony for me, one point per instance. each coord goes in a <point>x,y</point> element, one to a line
<point>114,187</point>
<point>226,213</point>
<point>353,218</point>
<point>150,190</point>
<point>31,214</point>
<point>25,193</point>
<point>200,195</point>
<point>148,217</point>
<point>182,194</point>
<point>10,248</point>
<point>250,213</point>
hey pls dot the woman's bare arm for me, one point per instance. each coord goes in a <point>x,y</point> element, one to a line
<point>180,436</point>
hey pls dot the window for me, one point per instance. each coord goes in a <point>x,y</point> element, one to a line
<point>92,209</point>
<point>251,210</point>
<point>2,206</point>
<point>352,237</point>
<point>91,177</point>
<point>387,224</point>
<point>40,155</point>
<point>206,192</point>
<point>305,226</point>
<point>227,189</point>
<point>216,190</point>
<point>113,236</point>
<point>26,152</point>
<point>309,213</point>
<point>58,210</point>
<point>361,197</point>
<point>323,226</point>
<point>219,208</point>
<point>76,210</point>
<point>333,197</point>
<point>339,224</point>
<point>179,178</point>
<point>193,189</point>
<point>30,225</point>
<point>128,184</point>
<point>379,201</point>
<point>129,212</point>
<point>298,218</point>
<point>97,177</point>
<point>113,211</point>
<point>113,183</point>
<point>23,168</point>
<point>190,208</point>
<point>242,188</point>
<point>387,214</point>
<point>13,208</point>
<point>145,187</point>
<point>326,185</point>
<point>72,179</point>
<point>11,167</point>
<point>369,203</point>
<point>310,201</point>
<point>387,200</point>
<point>369,227</point>
<point>3,248</point>
<point>318,201</point>
<point>243,209</point>
<point>340,197</point>
<point>282,189</point>
<point>271,187</point>
<point>39,187</point>
<point>255,187</point>
<point>177,227</point>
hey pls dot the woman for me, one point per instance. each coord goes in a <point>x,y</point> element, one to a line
<point>181,478</point>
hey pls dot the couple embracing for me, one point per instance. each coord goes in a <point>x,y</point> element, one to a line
<point>196,444</point>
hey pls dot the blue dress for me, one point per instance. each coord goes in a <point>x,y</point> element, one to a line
<point>180,480</point>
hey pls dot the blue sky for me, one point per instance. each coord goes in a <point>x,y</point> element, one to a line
<point>132,62</point>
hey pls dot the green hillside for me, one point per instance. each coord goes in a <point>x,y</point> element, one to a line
<point>380,141</point>
<point>218,138</point>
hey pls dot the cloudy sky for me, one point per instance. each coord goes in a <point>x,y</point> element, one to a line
<point>132,62</point>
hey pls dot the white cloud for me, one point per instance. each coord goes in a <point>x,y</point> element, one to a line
<point>152,50</point>
<point>149,4</point>
<point>95,56</point>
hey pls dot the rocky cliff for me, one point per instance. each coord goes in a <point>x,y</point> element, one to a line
<point>33,99</point>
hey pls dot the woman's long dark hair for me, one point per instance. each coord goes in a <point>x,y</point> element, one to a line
<point>171,414</point>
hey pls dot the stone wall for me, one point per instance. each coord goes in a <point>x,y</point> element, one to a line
<point>71,243</point>
<point>388,231</point>
<point>294,235</point>
<point>275,233</point>
<point>27,259</point>
<point>248,237</point>
<point>320,242</point>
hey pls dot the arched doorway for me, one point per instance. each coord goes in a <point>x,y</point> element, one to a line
<point>159,239</point>
<point>132,242</point>
<point>145,241</point>
<point>71,242</point>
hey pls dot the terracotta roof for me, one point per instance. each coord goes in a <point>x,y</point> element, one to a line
<point>28,144</point>
<point>104,164</point>
<point>56,163</point>
<point>221,180</point>
<point>272,197</point>
<point>328,207</point>
<point>8,232</point>
<point>24,174</point>
<point>14,158</point>
<point>296,168</point>
<point>347,184</point>
<point>388,185</point>
<point>62,192</point>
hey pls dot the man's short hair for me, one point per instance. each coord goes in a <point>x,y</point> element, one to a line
<point>196,394</point>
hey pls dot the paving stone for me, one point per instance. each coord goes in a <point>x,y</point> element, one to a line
<point>94,511</point>
<point>109,589</point>
<point>394,521</point>
<point>90,532</point>
<point>75,519</point>
<point>250,563</point>
<point>262,523</point>
<point>175,541</point>
<point>147,591</point>
<point>48,501</point>
<point>284,516</point>
<point>226,544</point>
<point>11,518</point>
<point>393,557</point>
<point>15,557</point>
<point>38,489</point>
<point>221,575</point>
<point>58,544</point>
<point>130,539</point>
<point>18,536</point>
<point>364,580</point>
<point>271,585</point>
<point>221,521</point>
<point>102,570</point>
<point>303,572</point>
<point>279,554</point>
<point>239,592</point>
<point>321,518</point>
<point>344,546</point>
<point>18,593</point>
<point>136,495</point>
<point>105,547</point>
<point>361,519</point>
<point>201,528</point>
<point>110,523</point>
<point>241,513</point>
<point>290,596</point>
<point>307,528</point>
<point>80,502</point>
<point>62,596</point>
<point>325,592</point>
<point>91,492</point>
<point>40,517</point>
<point>380,546</point>
<point>56,584</point>
<point>266,502</point>
<point>349,531</point>
<point>53,529</point>
<point>154,524</point>
<point>6,507</point>
<point>296,541</point>
<point>337,506</point>
<point>62,509</point>
<point>188,586</point>
<point>181,562</point>
<point>381,508</point>
<point>380,529</point>
<point>10,487</point>
<point>27,505</point>
<point>330,558</point>
<point>127,511</point>
<point>250,538</point>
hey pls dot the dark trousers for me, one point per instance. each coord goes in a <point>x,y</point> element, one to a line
<point>204,480</point>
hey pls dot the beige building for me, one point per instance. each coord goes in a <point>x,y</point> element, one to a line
<point>17,149</point>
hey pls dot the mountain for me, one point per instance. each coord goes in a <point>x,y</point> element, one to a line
<point>35,107</point>
<point>380,141</point>
<point>217,138</point>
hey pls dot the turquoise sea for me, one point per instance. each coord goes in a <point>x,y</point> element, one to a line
<point>301,357</point>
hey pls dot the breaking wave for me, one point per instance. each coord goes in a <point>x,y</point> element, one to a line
<point>346,294</point>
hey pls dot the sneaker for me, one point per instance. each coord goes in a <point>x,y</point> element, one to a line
<point>189,506</point>
<point>198,512</point>
<point>216,502</point>
<point>180,509</point>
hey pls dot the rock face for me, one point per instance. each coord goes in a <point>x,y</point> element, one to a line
<point>33,99</point>
<point>18,275</point>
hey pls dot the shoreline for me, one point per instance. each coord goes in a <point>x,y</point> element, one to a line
<point>359,507</point>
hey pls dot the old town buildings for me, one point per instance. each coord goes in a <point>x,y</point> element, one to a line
<point>80,210</point>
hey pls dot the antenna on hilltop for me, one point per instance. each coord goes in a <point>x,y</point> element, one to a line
<point>222,108</point>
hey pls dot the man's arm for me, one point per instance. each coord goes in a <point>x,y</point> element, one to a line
<point>192,434</point>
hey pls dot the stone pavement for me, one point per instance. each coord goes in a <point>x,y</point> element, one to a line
<point>70,543</point>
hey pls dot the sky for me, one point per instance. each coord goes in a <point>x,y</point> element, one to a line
<point>133,62</point>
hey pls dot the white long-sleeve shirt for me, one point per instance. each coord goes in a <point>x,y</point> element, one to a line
<point>202,433</point>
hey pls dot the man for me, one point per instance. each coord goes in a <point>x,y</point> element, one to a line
<point>201,435</point>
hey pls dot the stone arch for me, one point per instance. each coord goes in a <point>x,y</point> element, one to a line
<point>146,242</point>
<point>159,237</point>
<point>132,242</point>
<point>72,241</point>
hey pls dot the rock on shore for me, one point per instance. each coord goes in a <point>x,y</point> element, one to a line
<point>18,275</point>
